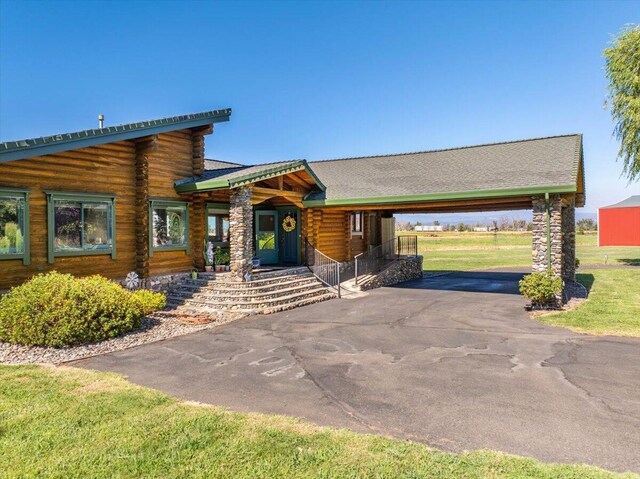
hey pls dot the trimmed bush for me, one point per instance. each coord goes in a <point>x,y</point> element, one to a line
<point>541,288</point>
<point>149,300</point>
<point>56,309</point>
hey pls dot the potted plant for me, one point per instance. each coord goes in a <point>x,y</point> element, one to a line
<point>225,259</point>
<point>219,259</point>
<point>208,256</point>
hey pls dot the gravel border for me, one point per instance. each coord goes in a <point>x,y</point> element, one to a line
<point>155,327</point>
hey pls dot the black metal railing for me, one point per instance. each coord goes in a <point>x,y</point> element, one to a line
<point>372,261</point>
<point>326,269</point>
<point>407,245</point>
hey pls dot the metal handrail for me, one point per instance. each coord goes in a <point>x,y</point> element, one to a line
<point>373,261</point>
<point>324,268</point>
<point>407,245</point>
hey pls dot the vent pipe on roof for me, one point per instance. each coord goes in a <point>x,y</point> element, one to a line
<point>101,121</point>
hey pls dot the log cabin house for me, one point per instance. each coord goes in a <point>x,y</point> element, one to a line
<point>142,197</point>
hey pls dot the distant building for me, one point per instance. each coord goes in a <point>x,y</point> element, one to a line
<point>428,228</point>
<point>480,229</point>
<point>619,224</point>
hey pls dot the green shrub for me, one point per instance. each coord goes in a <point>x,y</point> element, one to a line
<point>56,309</point>
<point>541,288</point>
<point>149,300</point>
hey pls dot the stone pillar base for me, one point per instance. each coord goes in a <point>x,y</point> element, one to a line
<point>241,232</point>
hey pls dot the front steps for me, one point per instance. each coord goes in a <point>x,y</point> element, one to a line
<point>269,291</point>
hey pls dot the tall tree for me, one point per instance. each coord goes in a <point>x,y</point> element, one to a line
<point>623,72</point>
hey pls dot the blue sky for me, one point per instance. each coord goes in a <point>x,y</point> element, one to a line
<point>320,80</point>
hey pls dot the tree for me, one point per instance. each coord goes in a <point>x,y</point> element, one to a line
<point>586,224</point>
<point>623,72</point>
<point>436,223</point>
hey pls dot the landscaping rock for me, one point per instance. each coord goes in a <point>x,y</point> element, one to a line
<point>155,327</point>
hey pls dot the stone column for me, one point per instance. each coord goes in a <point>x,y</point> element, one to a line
<point>569,241</point>
<point>241,232</point>
<point>539,234</point>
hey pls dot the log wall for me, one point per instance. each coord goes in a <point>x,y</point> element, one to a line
<point>133,171</point>
<point>108,169</point>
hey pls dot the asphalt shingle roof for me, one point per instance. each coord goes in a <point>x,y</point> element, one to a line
<point>211,164</point>
<point>541,162</point>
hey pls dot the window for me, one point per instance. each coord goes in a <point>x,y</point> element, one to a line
<point>218,227</point>
<point>356,223</point>
<point>80,224</point>
<point>14,225</point>
<point>168,226</point>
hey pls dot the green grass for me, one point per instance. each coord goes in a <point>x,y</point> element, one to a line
<point>63,422</point>
<point>613,306</point>
<point>453,251</point>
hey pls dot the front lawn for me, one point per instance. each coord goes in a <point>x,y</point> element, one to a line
<point>613,306</point>
<point>467,251</point>
<point>65,422</point>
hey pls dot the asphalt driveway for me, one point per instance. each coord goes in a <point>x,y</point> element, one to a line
<point>453,362</point>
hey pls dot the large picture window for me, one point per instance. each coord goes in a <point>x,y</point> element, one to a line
<point>169,225</point>
<point>14,225</point>
<point>81,225</point>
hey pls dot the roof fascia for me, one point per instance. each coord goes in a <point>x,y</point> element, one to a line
<point>461,195</point>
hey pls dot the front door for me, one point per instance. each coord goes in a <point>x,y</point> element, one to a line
<point>267,236</point>
<point>289,235</point>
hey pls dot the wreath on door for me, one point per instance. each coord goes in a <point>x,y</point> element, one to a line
<point>289,224</point>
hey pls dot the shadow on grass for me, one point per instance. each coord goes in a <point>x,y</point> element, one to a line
<point>586,280</point>
<point>630,261</point>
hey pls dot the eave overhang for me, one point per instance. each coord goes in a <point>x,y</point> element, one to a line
<point>243,180</point>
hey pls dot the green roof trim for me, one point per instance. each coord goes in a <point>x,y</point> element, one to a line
<point>46,145</point>
<point>235,178</point>
<point>448,196</point>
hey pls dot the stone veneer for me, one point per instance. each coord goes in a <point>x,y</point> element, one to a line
<point>162,283</point>
<point>539,234</point>
<point>569,242</point>
<point>404,269</point>
<point>241,232</point>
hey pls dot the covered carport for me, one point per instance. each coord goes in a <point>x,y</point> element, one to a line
<point>544,175</point>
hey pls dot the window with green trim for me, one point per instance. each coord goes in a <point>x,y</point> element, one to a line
<point>81,224</point>
<point>169,225</point>
<point>14,225</point>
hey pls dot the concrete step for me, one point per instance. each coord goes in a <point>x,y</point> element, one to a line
<point>246,284</point>
<point>211,309</point>
<point>258,302</point>
<point>293,281</point>
<point>257,290</point>
<point>224,295</point>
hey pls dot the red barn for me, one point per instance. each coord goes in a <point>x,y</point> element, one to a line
<point>619,224</point>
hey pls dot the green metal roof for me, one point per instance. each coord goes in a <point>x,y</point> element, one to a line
<point>515,168</point>
<point>17,150</point>
<point>234,176</point>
